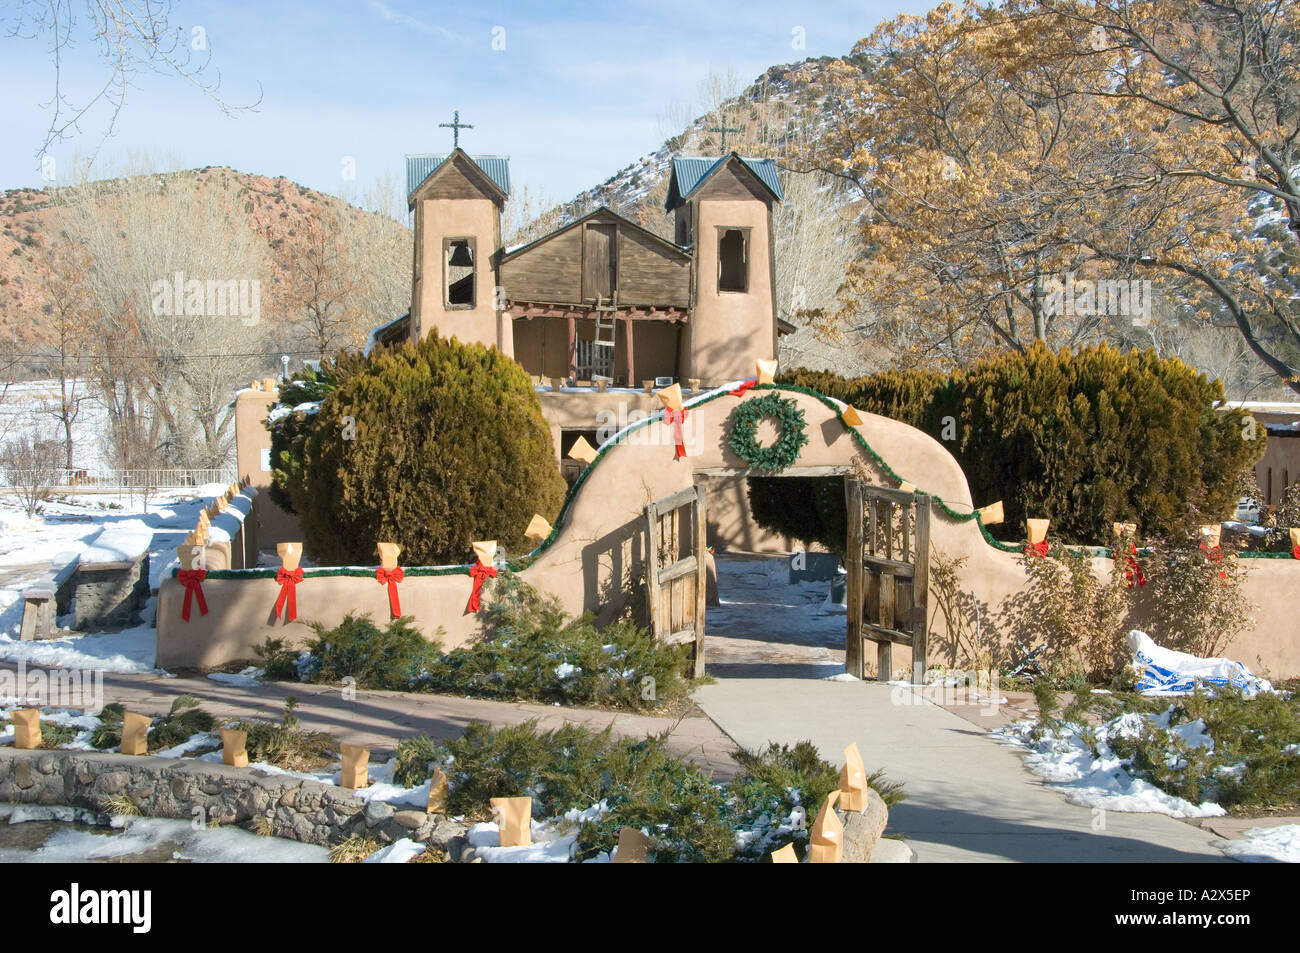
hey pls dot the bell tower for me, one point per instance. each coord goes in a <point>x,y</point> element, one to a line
<point>457,200</point>
<point>723,210</point>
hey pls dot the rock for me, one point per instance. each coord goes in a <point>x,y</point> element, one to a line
<point>304,830</point>
<point>447,833</point>
<point>411,820</point>
<point>24,776</point>
<point>46,764</point>
<point>252,801</point>
<point>862,829</point>
<point>377,811</point>
<point>112,782</point>
<point>890,851</point>
<point>390,830</point>
<point>454,846</point>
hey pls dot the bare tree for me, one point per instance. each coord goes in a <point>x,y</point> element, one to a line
<point>131,37</point>
<point>321,280</point>
<point>71,320</point>
<point>179,279</point>
<point>31,465</point>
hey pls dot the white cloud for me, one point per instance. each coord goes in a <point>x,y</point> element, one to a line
<point>432,29</point>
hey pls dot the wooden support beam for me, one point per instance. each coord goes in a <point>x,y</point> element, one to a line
<point>573,348</point>
<point>853,661</point>
<point>631,366</point>
<point>657,627</point>
<point>921,590</point>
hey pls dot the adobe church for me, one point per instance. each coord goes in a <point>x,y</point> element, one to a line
<point>599,312</point>
<point>602,297</point>
<point>601,302</point>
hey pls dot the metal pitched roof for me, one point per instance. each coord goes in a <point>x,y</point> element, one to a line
<point>420,167</point>
<point>690,171</point>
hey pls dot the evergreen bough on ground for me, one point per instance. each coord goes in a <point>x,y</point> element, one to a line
<point>184,720</point>
<point>531,650</point>
<point>1253,767</point>
<point>1084,439</point>
<point>431,445</point>
<point>287,745</point>
<point>689,817</point>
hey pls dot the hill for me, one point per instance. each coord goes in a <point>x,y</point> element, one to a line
<point>275,209</point>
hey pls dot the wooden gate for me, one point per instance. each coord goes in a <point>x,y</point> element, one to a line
<point>675,570</point>
<point>888,562</point>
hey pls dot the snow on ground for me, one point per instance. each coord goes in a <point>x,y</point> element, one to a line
<point>244,678</point>
<point>126,652</point>
<point>398,852</point>
<point>765,625</point>
<point>140,835</point>
<point>1264,844</point>
<point>554,839</point>
<point>90,527</point>
<point>1066,762</point>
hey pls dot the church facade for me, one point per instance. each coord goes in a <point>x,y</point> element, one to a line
<point>601,311</point>
<point>601,300</point>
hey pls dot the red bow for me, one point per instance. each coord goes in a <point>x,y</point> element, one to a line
<point>739,391</point>
<point>1134,573</point>
<point>1295,551</point>
<point>192,580</point>
<point>479,572</point>
<point>1037,549</point>
<point>1214,554</point>
<point>392,577</point>
<point>676,418</point>
<point>288,600</point>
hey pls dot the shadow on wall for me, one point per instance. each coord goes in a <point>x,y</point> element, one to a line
<point>613,568</point>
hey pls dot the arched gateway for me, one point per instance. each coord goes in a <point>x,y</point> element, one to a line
<point>634,517</point>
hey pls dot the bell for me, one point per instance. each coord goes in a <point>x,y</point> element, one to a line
<point>460,256</point>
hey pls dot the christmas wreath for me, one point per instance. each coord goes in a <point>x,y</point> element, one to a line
<point>744,430</point>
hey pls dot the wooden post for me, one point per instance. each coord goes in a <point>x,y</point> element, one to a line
<point>853,662</point>
<point>652,569</point>
<point>573,348</point>
<point>920,589</point>
<point>631,366</point>
<point>701,579</point>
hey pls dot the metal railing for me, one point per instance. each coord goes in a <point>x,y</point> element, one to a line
<point>122,481</point>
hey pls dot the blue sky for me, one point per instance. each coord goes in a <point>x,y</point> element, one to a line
<point>576,94</point>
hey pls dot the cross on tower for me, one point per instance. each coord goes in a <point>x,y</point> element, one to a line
<point>455,126</point>
<point>724,129</point>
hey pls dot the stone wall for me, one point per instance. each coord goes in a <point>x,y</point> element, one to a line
<point>110,595</point>
<point>305,811</point>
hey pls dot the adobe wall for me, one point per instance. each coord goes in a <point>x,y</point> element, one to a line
<point>601,544</point>
<point>252,446</point>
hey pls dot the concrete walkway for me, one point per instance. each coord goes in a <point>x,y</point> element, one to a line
<point>969,798</point>
<point>381,719</point>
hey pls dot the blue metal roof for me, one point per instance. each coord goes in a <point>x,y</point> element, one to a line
<point>419,168</point>
<point>690,171</point>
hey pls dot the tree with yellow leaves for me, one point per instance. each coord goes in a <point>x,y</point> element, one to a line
<point>1032,174</point>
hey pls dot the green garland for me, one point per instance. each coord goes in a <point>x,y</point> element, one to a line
<point>515,565</point>
<point>744,433</point>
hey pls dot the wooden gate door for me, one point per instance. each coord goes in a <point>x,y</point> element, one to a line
<point>888,562</point>
<point>675,570</point>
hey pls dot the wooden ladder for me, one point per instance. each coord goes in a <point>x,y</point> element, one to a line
<point>605,320</point>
